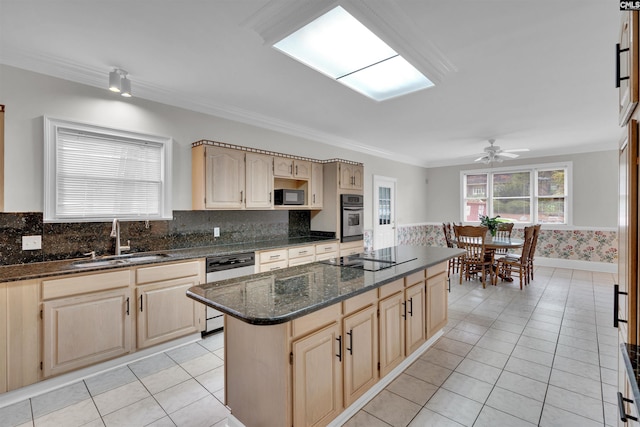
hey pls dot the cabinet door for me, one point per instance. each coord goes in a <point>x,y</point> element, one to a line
<point>360,333</point>
<point>346,176</point>
<point>165,312</point>
<point>392,330</point>
<point>84,330</point>
<point>317,377</point>
<point>3,337</point>
<point>259,182</point>
<point>22,333</point>
<point>416,326</point>
<point>283,167</point>
<point>317,175</point>
<point>358,178</point>
<point>302,169</point>
<point>628,66</point>
<point>224,178</point>
<point>437,299</point>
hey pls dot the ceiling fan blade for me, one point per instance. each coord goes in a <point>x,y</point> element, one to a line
<point>481,158</point>
<point>508,155</point>
<point>516,150</point>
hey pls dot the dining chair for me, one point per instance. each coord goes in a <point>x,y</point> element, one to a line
<point>476,260</point>
<point>503,232</point>
<point>532,251</point>
<point>511,262</point>
<point>454,263</point>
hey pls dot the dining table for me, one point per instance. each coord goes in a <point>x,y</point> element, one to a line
<point>499,243</point>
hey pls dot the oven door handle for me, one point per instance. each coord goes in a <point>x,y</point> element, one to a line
<point>353,209</point>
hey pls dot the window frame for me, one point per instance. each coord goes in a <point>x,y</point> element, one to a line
<point>51,127</point>
<point>533,170</point>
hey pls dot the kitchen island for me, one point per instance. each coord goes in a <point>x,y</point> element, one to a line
<point>310,345</point>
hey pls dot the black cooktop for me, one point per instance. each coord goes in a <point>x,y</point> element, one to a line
<point>367,262</point>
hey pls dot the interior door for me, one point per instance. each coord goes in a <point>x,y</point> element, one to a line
<point>384,212</point>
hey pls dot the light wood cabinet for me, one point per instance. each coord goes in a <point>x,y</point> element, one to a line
<point>351,177</point>
<point>392,331</point>
<point>316,196</point>
<point>271,260</point>
<point>437,300</point>
<point>416,325</point>
<point>86,319</point>
<point>360,332</point>
<point>351,248</point>
<point>84,330</point>
<point>291,168</point>
<point>627,66</point>
<point>19,334</point>
<point>317,377</point>
<point>164,312</point>
<point>218,178</point>
<point>326,250</point>
<point>259,181</point>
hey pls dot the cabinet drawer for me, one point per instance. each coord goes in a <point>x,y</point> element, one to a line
<point>326,255</point>
<point>316,320</point>
<point>57,288</point>
<point>271,256</point>
<point>325,248</point>
<point>414,278</point>
<point>301,251</point>
<point>437,269</point>
<point>164,272</point>
<point>359,301</point>
<point>270,266</point>
<point>301,260</point>
<point>391,288</point>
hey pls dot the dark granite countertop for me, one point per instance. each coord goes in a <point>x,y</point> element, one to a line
<point>631,357</point>
<point>39,270</point>
<point>277,297</point>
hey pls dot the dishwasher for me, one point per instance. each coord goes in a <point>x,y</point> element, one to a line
<point>222,267</point>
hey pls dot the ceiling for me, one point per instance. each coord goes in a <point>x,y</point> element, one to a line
<point>535,74</point>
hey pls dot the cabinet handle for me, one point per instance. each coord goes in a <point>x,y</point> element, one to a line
<point>274,256</point>
<point>616,292</point>
<point>411,306</point>
<point>291,169</point>
<point>269,196</point>
<point>624,417</point>
<point>404,309</point>
<point>339,355</point>
<point>314,198</point>
<point>296,169</point>
<point>350,348</point>
<point>127,306</point>
<point>302,252</point>
<point>140,303</point>
<point>618,52</point>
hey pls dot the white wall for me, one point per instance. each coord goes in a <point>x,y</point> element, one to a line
<point>29,96</point>
<point>595,188</point>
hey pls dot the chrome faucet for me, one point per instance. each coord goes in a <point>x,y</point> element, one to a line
<point>115,232</point>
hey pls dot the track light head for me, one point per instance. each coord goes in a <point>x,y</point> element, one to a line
<point>119,83</point>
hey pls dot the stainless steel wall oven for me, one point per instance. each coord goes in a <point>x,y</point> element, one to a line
<point>352,212</point>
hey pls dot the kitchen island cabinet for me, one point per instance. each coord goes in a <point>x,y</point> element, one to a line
<point>304,350</point>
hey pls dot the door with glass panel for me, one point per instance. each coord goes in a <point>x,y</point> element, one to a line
<point>384,216</point>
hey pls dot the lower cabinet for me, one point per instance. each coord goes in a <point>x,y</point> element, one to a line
<point>437,301</point>
<point>317,377</point>
<point>164,312</point>
<point>392,333</point>
<point>360,335</point>
<point>83,330</point>
<point>19,334</point>
<point>416,321</point>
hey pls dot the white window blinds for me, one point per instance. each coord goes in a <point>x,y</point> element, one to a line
<point>97,175</point>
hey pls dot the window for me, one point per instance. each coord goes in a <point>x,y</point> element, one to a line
<point>536,194</point>
<point>94,173</point>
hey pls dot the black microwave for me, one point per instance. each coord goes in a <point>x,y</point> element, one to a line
<point>285,196</point>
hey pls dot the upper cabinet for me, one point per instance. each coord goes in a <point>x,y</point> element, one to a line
<point>627,66</point>
<point>230,177</point>
<point>218,178</point>
<point>291,168</point>
<point>351,176</point>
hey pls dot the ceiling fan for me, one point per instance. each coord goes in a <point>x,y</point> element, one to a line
<point>493,153</point>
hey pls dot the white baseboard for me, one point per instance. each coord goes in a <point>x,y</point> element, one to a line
<point>602,267</point>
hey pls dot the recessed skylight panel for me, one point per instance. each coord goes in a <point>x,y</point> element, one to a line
<point>339,46</point>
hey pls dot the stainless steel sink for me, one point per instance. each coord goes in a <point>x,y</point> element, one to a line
<point>118,260</point>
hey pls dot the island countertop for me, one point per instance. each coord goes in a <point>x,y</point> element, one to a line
<point>283,295</point>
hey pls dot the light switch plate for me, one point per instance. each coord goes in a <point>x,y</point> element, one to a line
<point>31,243</point>
<point>216,231</point>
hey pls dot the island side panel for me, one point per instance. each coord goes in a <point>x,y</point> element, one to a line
<point>257,373</point>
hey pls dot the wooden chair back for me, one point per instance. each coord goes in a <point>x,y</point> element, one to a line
<point>446,228</point>
<point>503,232</point>
<point>471,239</point>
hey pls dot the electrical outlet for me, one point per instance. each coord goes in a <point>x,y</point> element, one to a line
<point>216,231</point>
<point>31,243</point>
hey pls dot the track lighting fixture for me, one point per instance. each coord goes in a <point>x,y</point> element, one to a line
<point>118,82</point>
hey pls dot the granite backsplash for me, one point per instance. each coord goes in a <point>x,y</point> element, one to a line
<point>187,229</point>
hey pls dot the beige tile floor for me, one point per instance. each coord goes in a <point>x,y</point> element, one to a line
<point>544,356</point>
